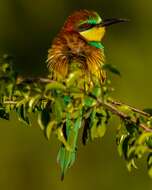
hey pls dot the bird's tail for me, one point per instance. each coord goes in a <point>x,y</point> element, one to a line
<point>66,157</point>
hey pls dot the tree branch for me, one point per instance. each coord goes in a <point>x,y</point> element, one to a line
<point>122,115</point>
<point>132,108</point>
<point>111,105</point>
<point>34,79</point>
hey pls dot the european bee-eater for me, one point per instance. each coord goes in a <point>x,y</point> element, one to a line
<point>78,43</point>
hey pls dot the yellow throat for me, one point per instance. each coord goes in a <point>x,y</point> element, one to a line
<point>94,34</point>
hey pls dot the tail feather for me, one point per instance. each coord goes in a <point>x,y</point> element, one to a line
<point>66,157</point>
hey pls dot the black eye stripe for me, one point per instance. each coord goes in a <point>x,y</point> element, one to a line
<point>85,26</point>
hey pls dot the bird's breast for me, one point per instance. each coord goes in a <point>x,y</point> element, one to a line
<point>75,46</point>
<point>70,48</point>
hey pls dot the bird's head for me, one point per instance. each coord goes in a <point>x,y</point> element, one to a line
<point>89,25</point>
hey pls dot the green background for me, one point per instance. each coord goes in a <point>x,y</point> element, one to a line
<point>27,160</point>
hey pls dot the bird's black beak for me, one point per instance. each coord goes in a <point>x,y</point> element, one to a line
<point>111,21</point>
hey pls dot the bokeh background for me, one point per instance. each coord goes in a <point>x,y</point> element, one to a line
<point>27,160</point>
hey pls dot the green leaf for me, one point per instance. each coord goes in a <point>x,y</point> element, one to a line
<point>143,137</point>
<point>131,127</point>
<point>131,153</point>
<point>33,102</point>
<point>49,128</point>
<point>73,77</point>
<point>55,86</point>
<point>112,69</point>
<point>149,142</point>
<point>140,150</point>
<point>62,139</point>
<point>125,146</point>
<point>149,164</point>
<point>94,133</point>
<point>131,164</point>
<point>101,129</point>
<point>44,118</point>
<point>120,144</point>
<point>57,109</point>
<point>97,130</point>
<point>96,91</point>
<point>98,123</point>
<point>22,113</point>
<point>88,101</point>
<point>86,131</point>
<point>5,67</point>
<point>125,108</point>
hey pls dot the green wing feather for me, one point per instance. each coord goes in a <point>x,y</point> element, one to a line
<point>66,157</point>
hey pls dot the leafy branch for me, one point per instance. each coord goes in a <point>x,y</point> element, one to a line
<point>63,107</point>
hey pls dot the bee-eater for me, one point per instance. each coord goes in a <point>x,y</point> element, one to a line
<point>78,42</point>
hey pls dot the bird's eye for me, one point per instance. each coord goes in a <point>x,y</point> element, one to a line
<point>85,26</point>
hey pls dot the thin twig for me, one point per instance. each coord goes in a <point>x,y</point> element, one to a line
<point>114,110</point>
<point>10,102</point>
<point>122,115</point>
<point>132,108</point>
<point>33,79</point>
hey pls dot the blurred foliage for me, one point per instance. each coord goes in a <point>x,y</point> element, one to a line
<point>62,108</point>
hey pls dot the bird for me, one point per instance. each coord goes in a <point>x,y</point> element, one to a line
<point>78,43</point>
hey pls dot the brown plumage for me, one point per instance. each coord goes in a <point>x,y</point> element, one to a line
<point>69,47</point>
